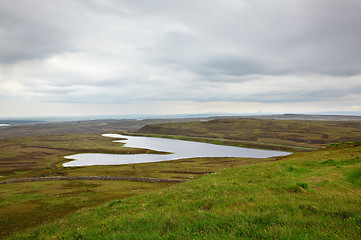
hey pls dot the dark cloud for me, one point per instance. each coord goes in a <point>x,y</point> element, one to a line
<point>109,51</point>
<point>26,35</point>
<point>229,65</point>
<point>299,37</point>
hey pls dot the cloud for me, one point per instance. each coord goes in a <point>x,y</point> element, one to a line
<point>137,52</point>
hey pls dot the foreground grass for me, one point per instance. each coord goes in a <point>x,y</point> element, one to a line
<point>27,204</point>
<point>313,195</point>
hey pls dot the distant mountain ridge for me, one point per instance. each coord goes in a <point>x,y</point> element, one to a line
<point>307,117</point>
<point>341,116</point>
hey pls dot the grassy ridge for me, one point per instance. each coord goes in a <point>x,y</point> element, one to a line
<point>300,133</point>
<point>310,195</point>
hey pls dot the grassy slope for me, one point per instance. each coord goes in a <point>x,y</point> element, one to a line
<point>252,132</point>
<point>313,195</point>
<point>23,205</point>
<point>28,204</point>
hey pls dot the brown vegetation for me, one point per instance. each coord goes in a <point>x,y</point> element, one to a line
<point>301,133</point>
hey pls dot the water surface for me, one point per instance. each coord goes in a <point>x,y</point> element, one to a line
<point>179,150</point>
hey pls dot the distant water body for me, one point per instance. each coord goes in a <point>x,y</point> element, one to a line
<point>178,150</point>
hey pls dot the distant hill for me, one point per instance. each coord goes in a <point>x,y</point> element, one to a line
<point>19,122</point>
<point>307,117</point>
<point>31,127</point>
<point>248,131</point>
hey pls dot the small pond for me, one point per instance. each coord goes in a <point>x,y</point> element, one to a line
<point>178,150</point>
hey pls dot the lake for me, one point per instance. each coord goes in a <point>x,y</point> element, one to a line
<point>178,149</point>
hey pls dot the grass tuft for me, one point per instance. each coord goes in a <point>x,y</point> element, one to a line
<point>355,176</point>
<point>302,185</point>
<point>296,169</point>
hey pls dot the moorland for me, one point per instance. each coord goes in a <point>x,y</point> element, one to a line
<point>313,193</point>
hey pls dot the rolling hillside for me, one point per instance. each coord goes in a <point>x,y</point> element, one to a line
<point>301,133</point>
<point>313,195</point>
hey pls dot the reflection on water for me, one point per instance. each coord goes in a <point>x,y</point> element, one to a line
<point>179,150</point>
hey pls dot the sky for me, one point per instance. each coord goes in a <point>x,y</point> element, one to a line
<point>114,57</point>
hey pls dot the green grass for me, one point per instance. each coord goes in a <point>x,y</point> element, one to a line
<point>355,176</point>
<point>29,204</point>
<point>23,205</point>
<point>298,197</point>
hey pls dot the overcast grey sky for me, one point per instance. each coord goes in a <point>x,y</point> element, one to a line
<point>90,57</point>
